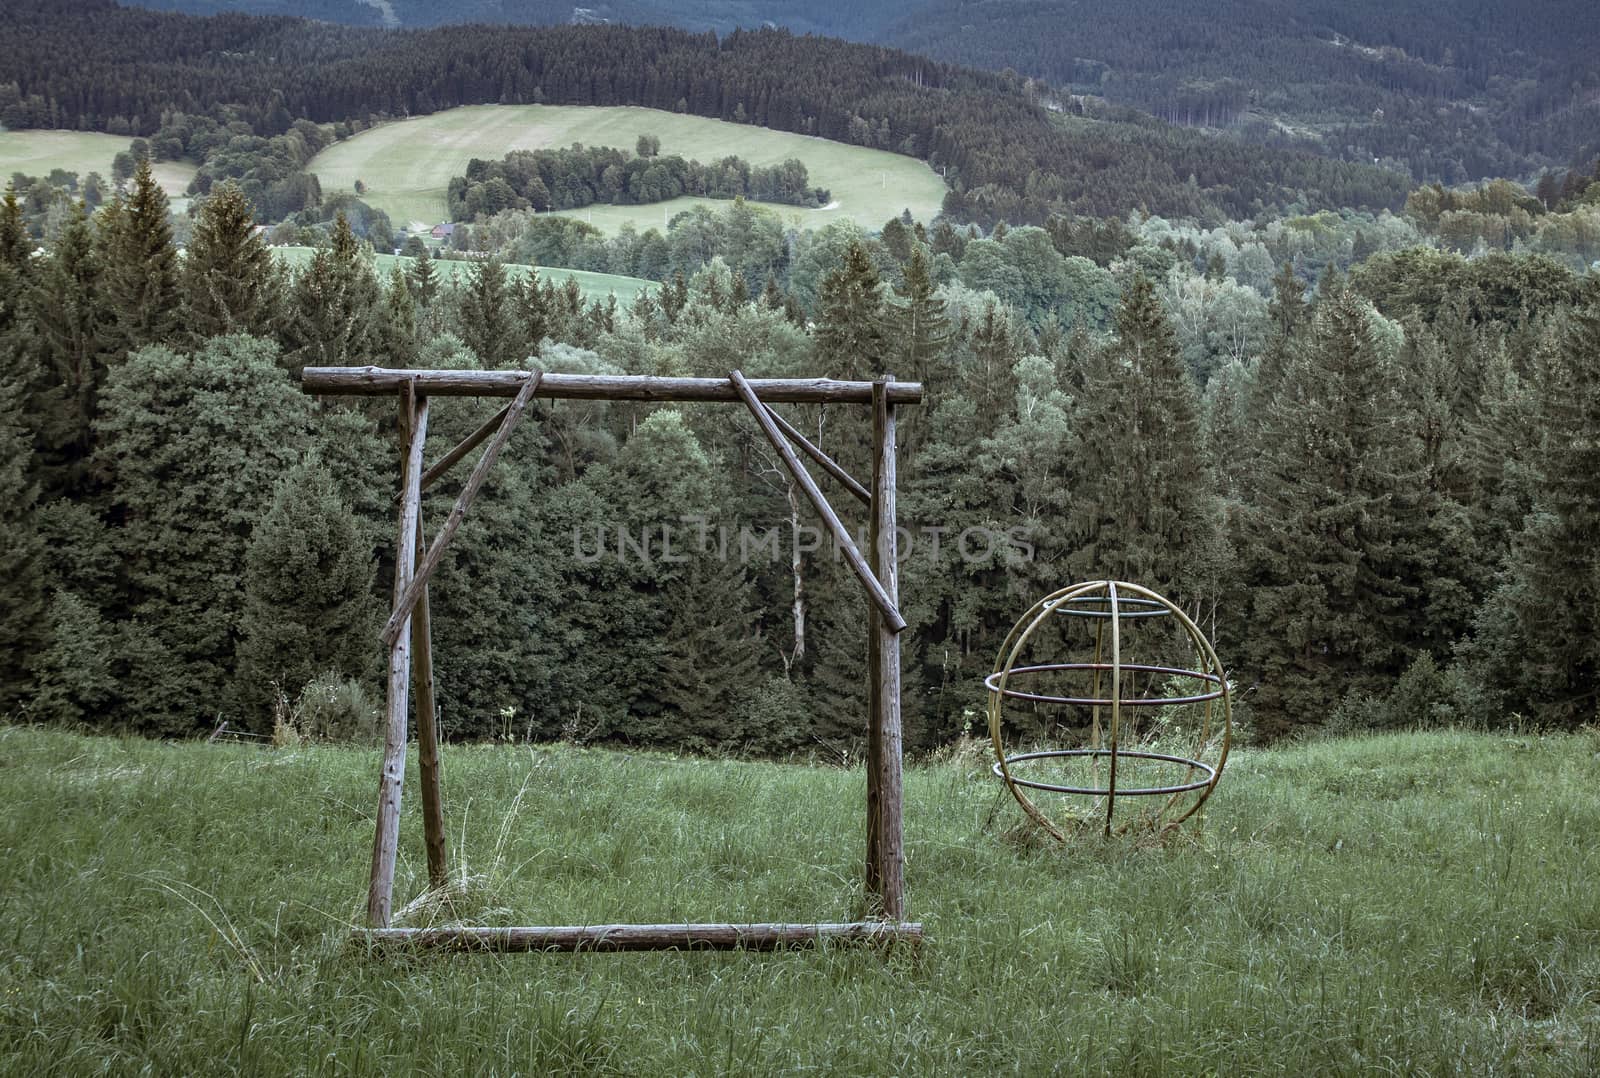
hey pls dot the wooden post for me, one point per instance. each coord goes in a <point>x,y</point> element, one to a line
<point>885,839</point>
<point>386,841</point>
<point>428,737</point>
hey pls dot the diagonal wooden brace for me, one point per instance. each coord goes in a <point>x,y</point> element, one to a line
<point>841,536</point>
<point>827,463</point>
<point>480,472</point>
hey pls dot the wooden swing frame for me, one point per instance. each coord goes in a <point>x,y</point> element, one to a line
<point>406,636</point>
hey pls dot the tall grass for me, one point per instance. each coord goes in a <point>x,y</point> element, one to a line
<point>1409,904</point>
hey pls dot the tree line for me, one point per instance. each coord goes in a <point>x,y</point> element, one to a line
<point>1379,500</point>
<point>573,177</point>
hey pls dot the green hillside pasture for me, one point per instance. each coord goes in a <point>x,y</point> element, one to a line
<point>594,285</point>
<point>406,165</point>
<point>83,152</point>
<point>1414,904</point>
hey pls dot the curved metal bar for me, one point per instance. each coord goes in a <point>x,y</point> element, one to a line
<point>1143,608</point>
<point>1053,754</point>
<point>1097,701</point>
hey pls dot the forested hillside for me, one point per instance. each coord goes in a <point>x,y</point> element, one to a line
<point>1455,90</point>
<point>99,67</point>
<point>1377,494</point>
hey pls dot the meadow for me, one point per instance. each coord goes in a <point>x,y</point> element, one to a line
<point>593,285</point>
<point>406,165</point>
<point>1419,903</point>
<point>37,152</point>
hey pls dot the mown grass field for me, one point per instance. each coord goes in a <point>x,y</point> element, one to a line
<point>83,152</point>
<point>594,285</point>
<point>1414,904</point>
<point>406,165</point>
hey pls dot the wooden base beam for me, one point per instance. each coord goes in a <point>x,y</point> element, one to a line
<point>684,937</point>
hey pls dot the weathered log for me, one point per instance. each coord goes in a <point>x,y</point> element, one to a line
<point>468,444</point>
<point>428,766</point>
<point>458,512</point>
<point>386,840</point>
<point>802,478</point>
<point>684,937</point>
<point>333,381</point>
<point>827,463</point>
<point>885,836</point>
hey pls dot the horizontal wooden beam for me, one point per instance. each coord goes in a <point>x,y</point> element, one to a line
<point>373,381</point>
<point>684,937</point>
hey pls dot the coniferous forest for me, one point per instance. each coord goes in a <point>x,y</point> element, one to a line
<point>1348,421</point>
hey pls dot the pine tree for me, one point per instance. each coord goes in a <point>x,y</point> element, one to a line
<point>486,320</point>
<point>424,279</point>
<point>195,445</point>
<point>1323,612</point>
<point>1144,509</point>
<point>21,594</point>
<point>1540,632</point>
<point>397,322</point>
<point>532,311</point>
<point>141,266</point>
<point>309,607</point>
<point>72,334</point>
<point>918,328</point>
<point>14,274</point>
<point>850,324</point>
<point>75,677</point>
<point>229,278</point>
<point>988,367</point>
<point>334,306</point>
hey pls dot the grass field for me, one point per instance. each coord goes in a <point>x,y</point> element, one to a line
<point>594,285</point>
<point>406,165</point>
<point>1413,904</point>
<point>83,152</point>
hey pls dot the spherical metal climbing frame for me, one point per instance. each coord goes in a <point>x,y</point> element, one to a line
<point>1112,601</point>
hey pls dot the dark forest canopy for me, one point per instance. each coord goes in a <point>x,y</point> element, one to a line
<point>100,67</point>
<point>1458,89</point>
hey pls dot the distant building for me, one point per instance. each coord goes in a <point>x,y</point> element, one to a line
<point>443,232</point>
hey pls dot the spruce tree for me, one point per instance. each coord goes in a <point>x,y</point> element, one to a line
<point>424,279</point>
<point>849,334</point>
<point>486,319</point>
<point>15,254</point>
<point>1540,632</point>
<point>397,323</point>
<point>918,328</point>
<point>1144,508</point>
<point>21,593</point>
<point>1323,610</point>
<point>72,333</point>
<point>141,266</point>
<point>533,314</point>
<point>229,279</point>
<point>195,445</point>
<point>988,364</point>
<point>309,607</point>
<point>334,306</point>
<point>75,674</point>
